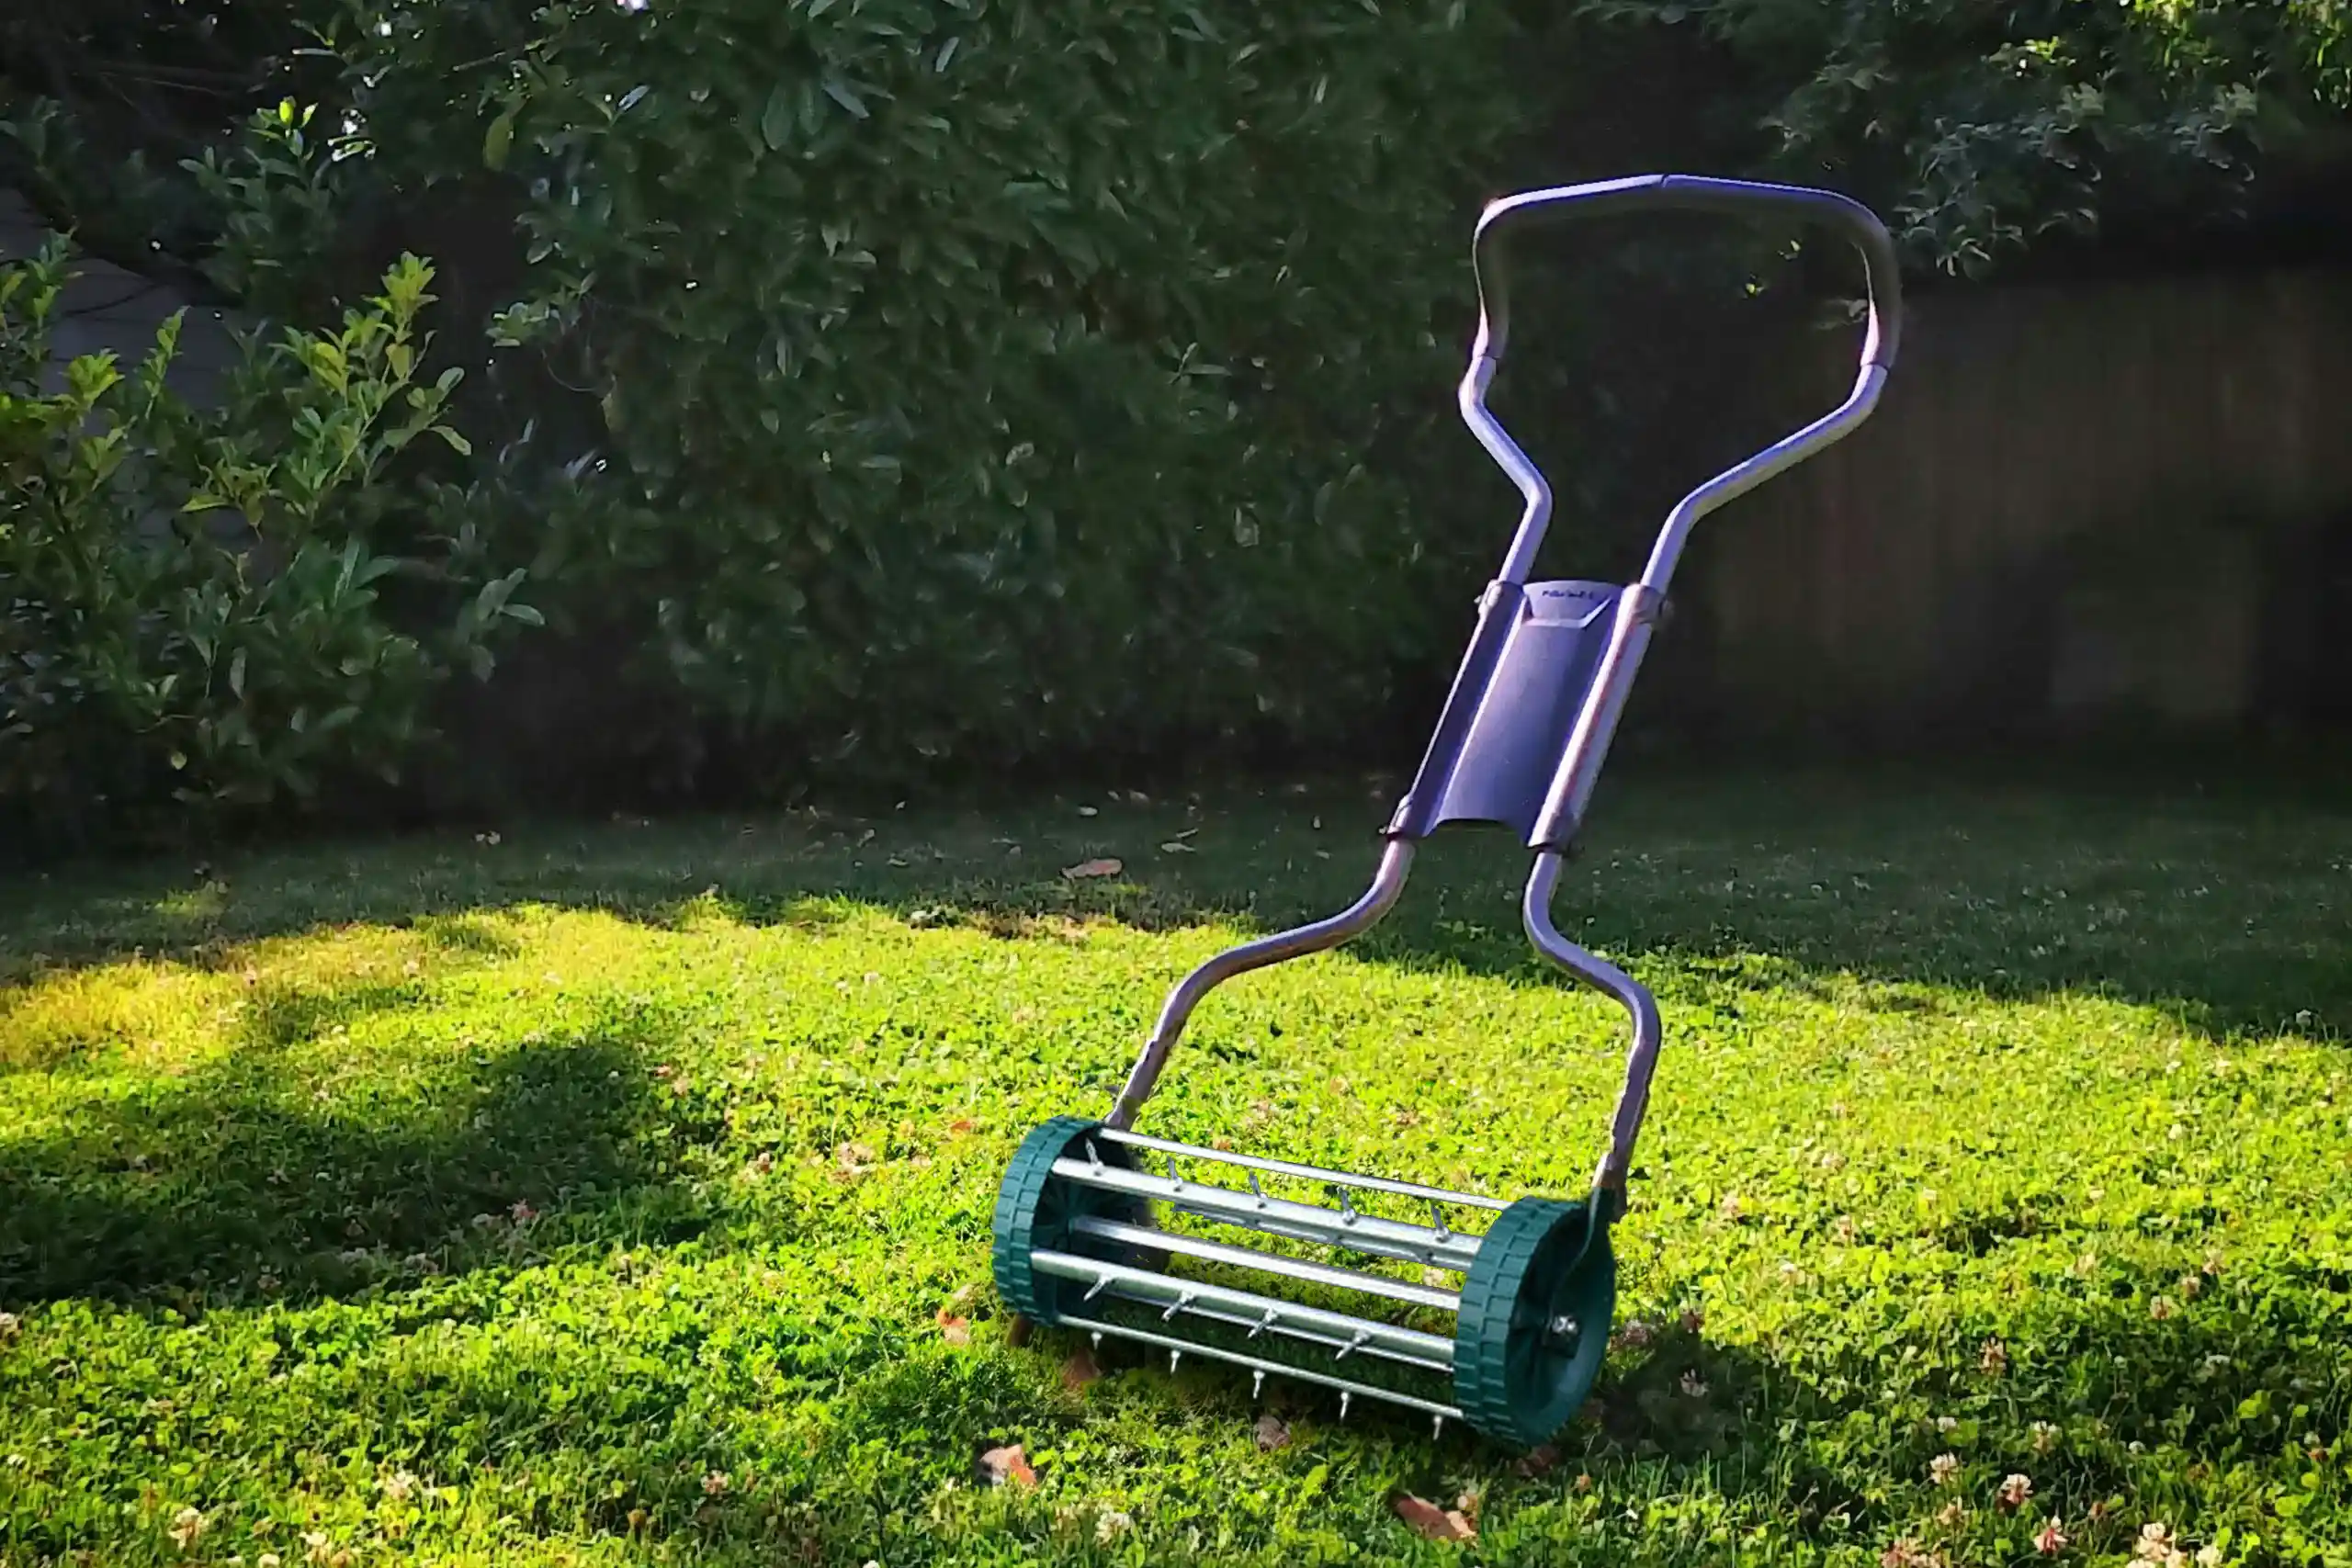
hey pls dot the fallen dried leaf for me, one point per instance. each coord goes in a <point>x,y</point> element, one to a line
<point>1430,1522</point>
<point>961,1125</point>
<point>954,1329</point>
<point>1094,868</point>
<point>1079,1370</point>
<point>1272,1432</point>
<point>1000,1465</point>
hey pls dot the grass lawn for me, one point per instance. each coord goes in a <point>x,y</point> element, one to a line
<point>618,1194</point>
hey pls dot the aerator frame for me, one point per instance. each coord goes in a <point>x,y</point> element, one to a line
<point>1519,743</point>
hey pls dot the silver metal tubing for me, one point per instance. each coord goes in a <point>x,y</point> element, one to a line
<point>1280,1369</point>
<point>1579,770</point>
<point>1533,488</point>
<point>1738,480</point>
<point>1669,192</point>
<point>1307,1172</point>
<point>1387,883</point>
<point>1355,1343</point>
<point>1244,1309</point>
<point>1649,1031</point>
<point>1279,1216</point>
<point>1267,1263</point>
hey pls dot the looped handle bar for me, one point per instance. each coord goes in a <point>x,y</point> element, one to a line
<point>1670,193</point>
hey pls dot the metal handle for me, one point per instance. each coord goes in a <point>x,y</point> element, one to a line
<point>1690,193</point>
<point>1684,193</point>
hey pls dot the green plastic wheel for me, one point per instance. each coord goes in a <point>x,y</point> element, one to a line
<point>1536,1309</point>
<point>1035,1211</point>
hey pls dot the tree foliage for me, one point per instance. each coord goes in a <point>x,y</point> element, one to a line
<point>1982,125</point>
<point>900,382</point>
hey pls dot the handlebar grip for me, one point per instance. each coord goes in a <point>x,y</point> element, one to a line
<point>1694,193</point>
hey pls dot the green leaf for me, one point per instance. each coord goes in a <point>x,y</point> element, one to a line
<point>839,92</point>
<point>498,140</point>
<point>457,444</point>
<point>775,120</point>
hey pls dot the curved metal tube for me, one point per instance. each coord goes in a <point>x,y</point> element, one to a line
<point>1741,478</point>
<point>1388,885</point>
<point>1536,517</point>
<point>1649,1030</point>
<point>1688,193</point>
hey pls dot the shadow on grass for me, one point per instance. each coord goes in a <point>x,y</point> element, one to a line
<point>2233,913</point>
<point>242,1179</point>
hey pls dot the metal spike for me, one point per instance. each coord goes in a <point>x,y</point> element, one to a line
<point>1345,1396</point>
<point>1257,1191</point>
<point>1347,1208</point>
<point>1264,1323</point>
<point>1437,1222</point>
<point>1363,1337</point>
<point>1100,1285</point>
<point>1174,1357</point>
<point>1258,1383</point>
<point>1179,1305</point>
<point>1097,1337</point>
<point>1437,1428</point>
<point>1094,1154</point>
<point>1175,1177</point>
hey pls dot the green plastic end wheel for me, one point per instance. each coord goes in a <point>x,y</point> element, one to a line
<point>1536,1309</point>
<point>1035,1211</point>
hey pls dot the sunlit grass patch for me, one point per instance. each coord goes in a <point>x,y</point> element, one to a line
<point>609,1196</point>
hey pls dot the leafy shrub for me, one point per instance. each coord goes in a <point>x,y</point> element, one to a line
<point>278,192</point>
<point>983,381</point>
<point>223,609</point>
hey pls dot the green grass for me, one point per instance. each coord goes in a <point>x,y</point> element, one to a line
<point>448,1201</point>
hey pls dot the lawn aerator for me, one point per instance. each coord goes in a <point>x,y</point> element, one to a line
<point>1087,1235</point>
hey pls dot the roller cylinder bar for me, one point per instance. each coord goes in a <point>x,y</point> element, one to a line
<point>1369,1234</point>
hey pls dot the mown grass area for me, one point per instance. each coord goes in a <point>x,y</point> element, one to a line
<point>620,1194</point>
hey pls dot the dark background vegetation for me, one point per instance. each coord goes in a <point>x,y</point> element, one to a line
<point>873,391</point>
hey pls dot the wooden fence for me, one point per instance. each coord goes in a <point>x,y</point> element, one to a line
<point>2076,499</point>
